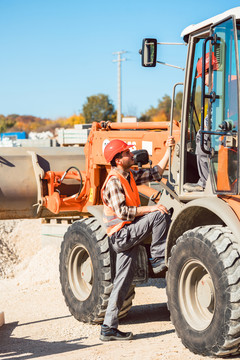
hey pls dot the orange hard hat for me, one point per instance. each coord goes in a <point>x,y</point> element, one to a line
<point>199,64</point>
<point>115,147</point>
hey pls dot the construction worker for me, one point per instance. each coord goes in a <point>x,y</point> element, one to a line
<point>128,224</point>
<point>202,157</point>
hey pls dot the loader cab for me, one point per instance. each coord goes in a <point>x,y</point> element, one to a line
<point>210,117</point>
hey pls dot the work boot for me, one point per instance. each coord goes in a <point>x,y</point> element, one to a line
<point>192,187</point>
<point>108,334</point>
<point>158,265</point>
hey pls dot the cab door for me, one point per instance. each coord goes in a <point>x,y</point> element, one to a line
<point>223,108</point>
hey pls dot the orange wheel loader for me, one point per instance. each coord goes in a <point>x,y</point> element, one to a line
<point>203,246</point>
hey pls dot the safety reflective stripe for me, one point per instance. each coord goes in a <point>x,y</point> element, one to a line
<point>110,217</point>
<point>113,221</point>
<point>114,228</point>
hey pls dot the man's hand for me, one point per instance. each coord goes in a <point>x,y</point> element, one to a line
<point>142,210</point>
<point>163,162</point>
<point>160,208</point>
<point>170,141</point>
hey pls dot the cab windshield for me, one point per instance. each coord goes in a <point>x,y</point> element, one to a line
<point>213,109</point>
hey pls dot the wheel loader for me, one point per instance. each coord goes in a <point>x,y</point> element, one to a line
<point>203,246</point>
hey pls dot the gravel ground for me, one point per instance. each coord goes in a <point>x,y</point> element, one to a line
<point>39,325</point>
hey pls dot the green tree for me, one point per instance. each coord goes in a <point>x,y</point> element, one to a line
<point>163,110</point>
<point>12,117</point>
<point>2,123</point>
<point>164,105</point>
<point>149,114</point>
<point>144,118</point>
<point>98,108</point>
<point>7,122</point>
<point>178,106</point>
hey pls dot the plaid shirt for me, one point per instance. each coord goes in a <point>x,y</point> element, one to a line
<point>114,195</point>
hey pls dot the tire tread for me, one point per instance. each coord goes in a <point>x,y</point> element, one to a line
<point>222,242</point>
<point>92,227</point>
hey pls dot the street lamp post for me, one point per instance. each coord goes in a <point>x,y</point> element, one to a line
<point>119,60</point>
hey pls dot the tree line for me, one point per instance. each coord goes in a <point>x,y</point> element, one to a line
<point>96,108</point>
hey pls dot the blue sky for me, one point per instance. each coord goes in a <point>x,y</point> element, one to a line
<point>56,53</point>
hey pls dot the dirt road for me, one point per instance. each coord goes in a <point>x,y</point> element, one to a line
<point>39,325</point>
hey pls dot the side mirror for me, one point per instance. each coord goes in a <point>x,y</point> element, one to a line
<point>149,52</point>
<point>140,157</point>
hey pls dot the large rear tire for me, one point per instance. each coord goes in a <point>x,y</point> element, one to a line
<point>203,290</point>
<point>85,272</point>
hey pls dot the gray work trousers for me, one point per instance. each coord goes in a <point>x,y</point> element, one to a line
<point>202,158</point>
<point>203,170</point>
<point>125,243</point>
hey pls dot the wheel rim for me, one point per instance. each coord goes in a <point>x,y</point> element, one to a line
<point>196,295</point>
<point>80,273</point>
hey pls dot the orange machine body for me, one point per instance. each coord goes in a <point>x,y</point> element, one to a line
<point>151,136</point>
<point>96,168</point>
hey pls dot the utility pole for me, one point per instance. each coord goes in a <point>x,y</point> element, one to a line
<point>119,60</point>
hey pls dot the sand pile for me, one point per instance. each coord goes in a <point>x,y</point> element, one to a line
<point>42,268</point>
<point>20,240</point>
<point>8,253</point>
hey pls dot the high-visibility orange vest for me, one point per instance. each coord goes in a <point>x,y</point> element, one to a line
<point>111,220</point>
